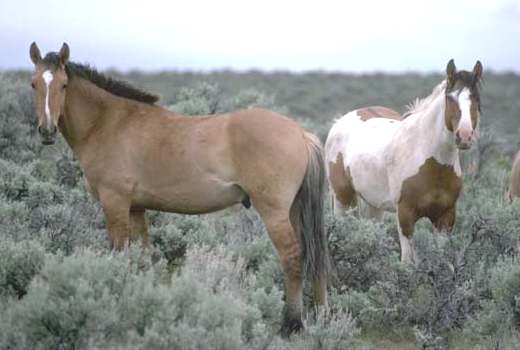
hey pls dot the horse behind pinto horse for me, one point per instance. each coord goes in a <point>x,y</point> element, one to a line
<point>409,166</point>
<point>136,155</point>
<point>514,185</point>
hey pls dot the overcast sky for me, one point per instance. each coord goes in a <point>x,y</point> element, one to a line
<point>351,36</point>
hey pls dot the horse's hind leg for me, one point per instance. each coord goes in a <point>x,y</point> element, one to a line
<point>342,189</point>
<point>374,213</point>
<point>139,226</point>
<point>337,207</point>
<point>287,245</point>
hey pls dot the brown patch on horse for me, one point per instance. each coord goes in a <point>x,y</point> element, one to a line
<point>452,113</point>
<point>377,112</point>
<point>341,182</point>
<point>514,187</point>
<point>431,193</point>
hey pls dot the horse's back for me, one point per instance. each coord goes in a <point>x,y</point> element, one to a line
<point>372,112</point>
<point>358,134</point>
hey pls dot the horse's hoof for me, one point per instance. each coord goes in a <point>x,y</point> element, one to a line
<point>291,326</point>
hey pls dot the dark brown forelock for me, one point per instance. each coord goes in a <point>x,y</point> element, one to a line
<point>465,79</point>
<point>116,87</point>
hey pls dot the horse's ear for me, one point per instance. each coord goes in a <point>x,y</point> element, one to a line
<point>477,71</point>
<point>450,72</point>
<point>35,54</point>
<point>64,53</point>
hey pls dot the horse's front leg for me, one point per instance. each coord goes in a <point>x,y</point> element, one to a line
<point>116,207</point>
<point>139,226</point>
<point>406,219</point>
<point>443,226</point>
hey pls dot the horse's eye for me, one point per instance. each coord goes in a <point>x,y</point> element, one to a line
<point>33,86</point>
<point>64,86</point>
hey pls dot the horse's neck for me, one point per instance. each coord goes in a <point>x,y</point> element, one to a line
<point>429,135</point>
<point>85,107</point>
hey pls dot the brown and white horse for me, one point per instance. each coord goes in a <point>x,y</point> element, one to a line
<point>136,155</point>
<point>406,165</point>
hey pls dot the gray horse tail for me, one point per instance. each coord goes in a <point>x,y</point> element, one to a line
<point>307,213</point>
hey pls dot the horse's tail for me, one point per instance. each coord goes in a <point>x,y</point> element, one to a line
<point>307,213</point>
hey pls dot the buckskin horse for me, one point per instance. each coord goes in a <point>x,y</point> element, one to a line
<point>410,165</point>
<point>136,155</point>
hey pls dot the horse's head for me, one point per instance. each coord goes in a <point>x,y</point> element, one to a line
<point>463,103</point>
<point>49,83</point>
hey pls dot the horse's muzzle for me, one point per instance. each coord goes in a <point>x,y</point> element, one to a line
<point>464,145</point>
<point>464,139</point>
<point>47,135</point>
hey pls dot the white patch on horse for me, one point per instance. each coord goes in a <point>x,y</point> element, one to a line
<point>47,78</point>
<point>464,106</point>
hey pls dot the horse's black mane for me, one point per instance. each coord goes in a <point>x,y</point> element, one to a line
<point>116,87</point>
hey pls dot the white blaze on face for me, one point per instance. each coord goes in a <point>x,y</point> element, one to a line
<point>47,78</point>
<point>464,106</point>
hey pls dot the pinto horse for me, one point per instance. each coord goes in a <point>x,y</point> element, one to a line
<point>407,165</point>
<point>136,155</point>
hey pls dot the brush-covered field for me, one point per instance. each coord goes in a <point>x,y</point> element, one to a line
<point>213,281</point>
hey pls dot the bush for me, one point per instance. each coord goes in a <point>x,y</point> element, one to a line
<point>19,263</point>
<point>214,281</point>
<point>205,98</point>
<point>17,120</point>
<point>77,300</point>
<point>90,299</point>
<point>497,324</point>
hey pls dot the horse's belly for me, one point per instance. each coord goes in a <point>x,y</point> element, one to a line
<point>371,183</point>
<point>375,194</point>
<point>189,198</point>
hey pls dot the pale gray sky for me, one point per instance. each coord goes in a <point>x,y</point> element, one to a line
<point>352,36</point>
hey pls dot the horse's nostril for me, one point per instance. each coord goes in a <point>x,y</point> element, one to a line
<point>457,136</point>
<point>464,136</point>
<point>47,133</point>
